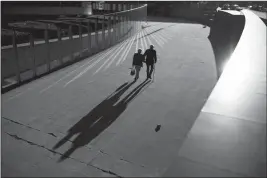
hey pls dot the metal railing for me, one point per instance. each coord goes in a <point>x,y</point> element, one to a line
<point>24,62</point>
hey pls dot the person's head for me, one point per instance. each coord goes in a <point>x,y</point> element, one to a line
<point>139,51</point>
<point>151,47</point>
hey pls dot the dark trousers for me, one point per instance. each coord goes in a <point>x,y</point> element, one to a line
<point>149,70</point>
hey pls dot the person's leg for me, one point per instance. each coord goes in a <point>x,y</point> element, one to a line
<point>147,70</point>
<point>151,70</point>
<point>137,69</point>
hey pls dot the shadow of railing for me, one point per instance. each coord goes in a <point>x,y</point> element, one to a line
<point>22,63</point>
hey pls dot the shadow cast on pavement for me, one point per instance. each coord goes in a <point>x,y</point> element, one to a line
<point>100,118</point>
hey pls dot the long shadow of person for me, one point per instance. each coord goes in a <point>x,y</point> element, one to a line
<point>99,118</point>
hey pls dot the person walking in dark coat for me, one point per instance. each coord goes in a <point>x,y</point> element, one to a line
<point>138,60</point>
<point>150,59</point>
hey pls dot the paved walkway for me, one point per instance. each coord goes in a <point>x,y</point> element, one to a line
<point>91,119</point>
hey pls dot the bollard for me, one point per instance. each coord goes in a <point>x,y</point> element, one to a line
<point>14,41</point>
<point>47,47</point>
<point>32,54</point>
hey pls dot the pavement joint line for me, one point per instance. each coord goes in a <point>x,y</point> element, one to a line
<point>14,136</point>
<point>105,171</point>
<point>122,159</point>
<point>51,134</point>
<point>40,146</point>
<point>20,124</point>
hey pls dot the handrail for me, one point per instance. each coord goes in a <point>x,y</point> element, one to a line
<point>126,10</point>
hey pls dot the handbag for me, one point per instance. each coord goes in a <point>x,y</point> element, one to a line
<point>132,71</point>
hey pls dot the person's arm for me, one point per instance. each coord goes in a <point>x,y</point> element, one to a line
<point>155,56</point>
<point>144,56</point>
<point>133,59</point>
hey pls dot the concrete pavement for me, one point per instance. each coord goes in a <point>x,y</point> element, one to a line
<point>90,119</point>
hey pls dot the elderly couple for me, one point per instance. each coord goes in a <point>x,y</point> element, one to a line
<point>149,57</point>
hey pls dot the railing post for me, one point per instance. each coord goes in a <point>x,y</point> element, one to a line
<point>32,54</point>
<point>96,34</point>
<point>126,25</point>
<point>119,28</point>
<point>71,40</point>
<point>116,7</point>
<point>93,6</point>
<point>59,43</point>
<point>89,37</point>
<point>109,31</point>
<point>122,26</point>
<point>16,56</point>
<point>47,47</point>
<point>80,37</point>
<point>114,29</point>
<point>109,8</point>
<point>103,33</point>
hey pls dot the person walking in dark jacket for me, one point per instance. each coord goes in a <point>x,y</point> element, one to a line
<point>150,59</point>
<point>138,60</point>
